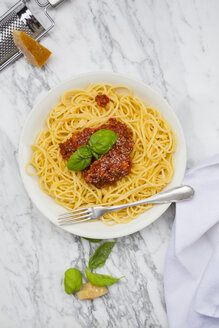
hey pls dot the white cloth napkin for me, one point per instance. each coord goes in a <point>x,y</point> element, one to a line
<point>191,277</point>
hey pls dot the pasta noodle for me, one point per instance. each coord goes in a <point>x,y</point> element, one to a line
<point>152,155</point>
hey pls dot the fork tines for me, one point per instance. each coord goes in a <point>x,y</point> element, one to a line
<point>76,216</point>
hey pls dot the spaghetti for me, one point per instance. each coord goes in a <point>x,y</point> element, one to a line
<point>152,155</point>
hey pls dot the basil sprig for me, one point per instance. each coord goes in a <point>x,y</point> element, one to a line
<point>73,277</point>
<point>101,255</point>
<point>80,159</point>
<point>100,143</point>
<point>72,281</point>
<point>100,279</point>
<point>102,140</point>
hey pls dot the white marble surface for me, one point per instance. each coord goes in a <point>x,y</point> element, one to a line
<point>173,45</point>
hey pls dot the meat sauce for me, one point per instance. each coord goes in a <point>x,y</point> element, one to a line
<point>102,100</point>
<point>77,140</point>
<point>109,167</point>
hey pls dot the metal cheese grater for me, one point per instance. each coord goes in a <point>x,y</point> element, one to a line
<point>20,18</point>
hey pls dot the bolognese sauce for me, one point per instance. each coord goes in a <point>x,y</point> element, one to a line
<point>77,140</point>
<point>102,100</point>
<point>110,167</point>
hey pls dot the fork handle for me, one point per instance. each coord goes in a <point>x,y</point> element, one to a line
<point>173,195</point>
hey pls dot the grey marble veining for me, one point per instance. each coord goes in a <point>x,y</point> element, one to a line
<point>172,46</point>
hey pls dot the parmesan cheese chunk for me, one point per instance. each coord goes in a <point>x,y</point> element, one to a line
<point>35,53</point>
<point>89,291</point>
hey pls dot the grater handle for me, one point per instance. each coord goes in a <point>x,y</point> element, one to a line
<point>55,3</point>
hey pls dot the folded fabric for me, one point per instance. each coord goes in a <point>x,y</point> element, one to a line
<point>191,277</point>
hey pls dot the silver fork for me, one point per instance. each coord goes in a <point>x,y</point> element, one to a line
<point>173,195</point>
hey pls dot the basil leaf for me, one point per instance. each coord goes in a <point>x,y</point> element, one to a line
<point>102,140</point>
<point>84,151</point>
<point>97,156</point>
<point>80,159</point>
<point>101,255</point>
<point>93,240</point>
<point>100,279</point>
<point>72,281</point>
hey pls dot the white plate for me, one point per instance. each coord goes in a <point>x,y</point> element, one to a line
<point>36,122</point>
